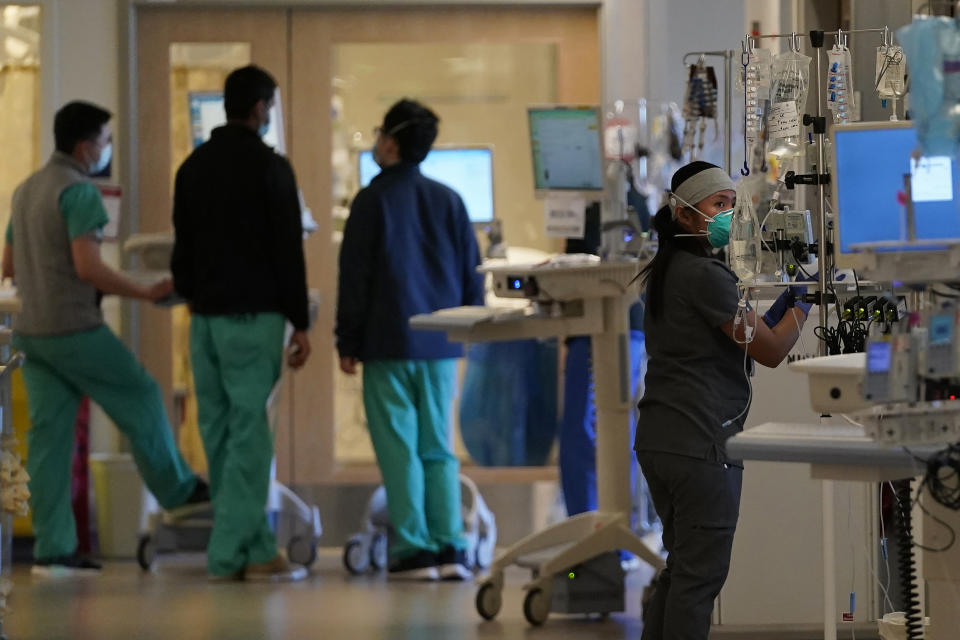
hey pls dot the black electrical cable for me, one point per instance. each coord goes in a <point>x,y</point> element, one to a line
<point>905,561</point>
<point>945,489</point>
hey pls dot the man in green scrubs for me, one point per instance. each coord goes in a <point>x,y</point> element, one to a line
<point>409,248</point>
<point>238,259</point>
<point>53,253</point>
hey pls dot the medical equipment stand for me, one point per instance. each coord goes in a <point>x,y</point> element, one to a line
<point>821,178</point>
<point>727,56</point>
<point>589,299</point>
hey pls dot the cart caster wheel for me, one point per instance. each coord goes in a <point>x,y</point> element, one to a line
<point>489,600</point>
<point>302,550</point>
<point>536,607</point>
<point>356,557</point>
<point>378,552</point>
<point>146,552</point>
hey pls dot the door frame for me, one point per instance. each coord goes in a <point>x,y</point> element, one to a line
<point>304,464</point>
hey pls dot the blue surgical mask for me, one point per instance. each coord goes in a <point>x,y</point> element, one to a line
<point>262,131</point>
<point>103,161</point>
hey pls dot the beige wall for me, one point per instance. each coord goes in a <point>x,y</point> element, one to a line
<point>480,92</point>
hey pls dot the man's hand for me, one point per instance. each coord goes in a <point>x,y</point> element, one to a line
<point>161,290</point>
<point>349,365</point>
<point>299,350</point>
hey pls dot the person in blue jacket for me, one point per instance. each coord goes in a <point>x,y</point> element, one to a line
<point>409,248</point>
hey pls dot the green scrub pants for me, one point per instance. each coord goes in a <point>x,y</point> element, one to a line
<point>58,372</point>
<point>236,363</point>
<point>408,404</point>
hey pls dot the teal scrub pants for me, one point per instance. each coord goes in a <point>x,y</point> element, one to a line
<point>236,363</point>
<point>408,404</point>
<point>58,372</point>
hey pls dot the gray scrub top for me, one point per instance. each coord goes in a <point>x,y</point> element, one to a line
<point>695,375</point>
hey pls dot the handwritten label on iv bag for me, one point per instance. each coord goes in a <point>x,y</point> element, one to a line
<point>565,217</point>
<point>784,121</point>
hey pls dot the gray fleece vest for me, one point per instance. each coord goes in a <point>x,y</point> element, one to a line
<point>55,300</point>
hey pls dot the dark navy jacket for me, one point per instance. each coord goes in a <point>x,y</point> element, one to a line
<point>408,248</point>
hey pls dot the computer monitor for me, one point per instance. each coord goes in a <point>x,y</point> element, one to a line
<point>567,149</point>
<point>466,170</point>
<point>207,113</point>
<point>870,162</point>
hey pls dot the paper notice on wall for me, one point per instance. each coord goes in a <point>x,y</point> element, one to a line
<point>112,195</point>
<point>565,217</point>
<point>784,121</point>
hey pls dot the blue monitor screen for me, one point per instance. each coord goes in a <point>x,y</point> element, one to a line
<point>870,169</point>
<point>468,171</point>
<point>566,149</point>
<point>207,113</point>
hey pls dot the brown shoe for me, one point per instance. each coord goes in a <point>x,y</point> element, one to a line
<point>277,570</point>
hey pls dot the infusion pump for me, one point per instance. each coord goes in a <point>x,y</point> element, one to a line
<point>905,389</point>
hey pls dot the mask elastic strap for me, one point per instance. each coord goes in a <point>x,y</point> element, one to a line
<point>690,206</point>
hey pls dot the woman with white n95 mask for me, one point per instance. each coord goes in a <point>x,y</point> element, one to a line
<point>701,344</point>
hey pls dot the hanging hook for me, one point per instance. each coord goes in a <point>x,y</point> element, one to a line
<point>886,36</point>
<point>745,60</point>
<point>795,42</point>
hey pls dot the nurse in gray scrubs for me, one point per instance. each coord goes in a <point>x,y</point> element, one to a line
<point>698,394</point>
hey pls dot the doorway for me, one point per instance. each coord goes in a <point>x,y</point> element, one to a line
<point>338,71</point>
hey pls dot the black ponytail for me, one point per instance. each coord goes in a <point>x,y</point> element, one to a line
<point>653,276</point>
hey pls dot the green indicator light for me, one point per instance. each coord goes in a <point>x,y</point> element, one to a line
<point>571,575</point>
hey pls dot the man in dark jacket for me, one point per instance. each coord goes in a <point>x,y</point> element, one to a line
<point>238,260</point>
<point>409,248</point>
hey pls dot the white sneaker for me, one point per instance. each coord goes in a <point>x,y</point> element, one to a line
<point>277,570</point>
<point>66,566</point>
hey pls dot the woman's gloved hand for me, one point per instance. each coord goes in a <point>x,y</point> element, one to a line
<point>792,296</point>
<point>799,291</point>
<point>775,313</point>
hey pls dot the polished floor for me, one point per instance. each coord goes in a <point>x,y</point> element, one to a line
<point>176,601</point>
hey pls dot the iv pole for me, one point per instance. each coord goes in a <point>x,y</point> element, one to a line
<point>821,178</point>
<point>727,56</point>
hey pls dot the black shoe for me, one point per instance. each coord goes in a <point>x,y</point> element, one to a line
<point>453,564</point>
<point>422,566</point>
<point>201,493</point>
<point>72,565</point>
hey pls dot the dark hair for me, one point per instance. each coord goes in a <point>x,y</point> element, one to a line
<point>76,122</point>
<point>244,88</point>
<point>654,274</point>
<point>414,127</point>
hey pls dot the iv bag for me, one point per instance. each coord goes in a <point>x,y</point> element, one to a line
<point>932,47</point>
<point>755,82</point>
<point>745,238</point>
<point>788,97</point>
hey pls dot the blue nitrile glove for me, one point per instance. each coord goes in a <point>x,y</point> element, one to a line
<point>775,313</point>
<point>799,291</point>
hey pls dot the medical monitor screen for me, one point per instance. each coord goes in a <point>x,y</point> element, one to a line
<point>207,113</point>
<point>567,155</point>
<point>871,194</point>
<point>466,170</point>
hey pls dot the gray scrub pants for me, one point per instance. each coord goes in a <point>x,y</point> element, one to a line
<point>698,502</point>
